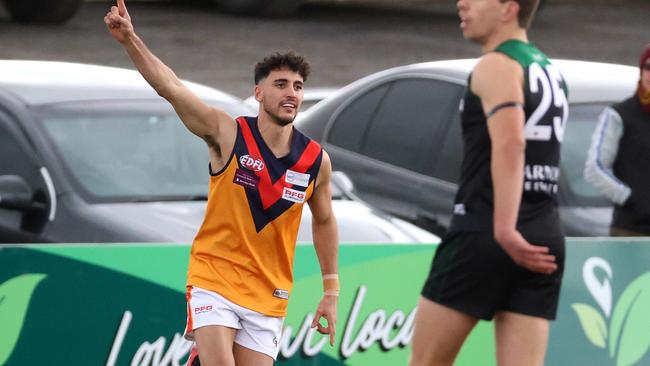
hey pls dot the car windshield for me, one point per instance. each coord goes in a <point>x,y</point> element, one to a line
<point>129,151</point>
<point>580,126</point>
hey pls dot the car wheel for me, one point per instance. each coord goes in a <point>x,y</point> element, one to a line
<point>52,11</point>
<point>267,8</point>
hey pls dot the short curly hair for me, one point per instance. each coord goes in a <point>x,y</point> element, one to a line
<point>281,60</point>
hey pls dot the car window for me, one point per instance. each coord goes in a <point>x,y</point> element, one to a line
<point>128,151</point>
<point>17,159</point>
<point>450,156</point>
<point>408,122</point>
<point>577,139</point>
<point>348,129</point>
<point>580,126</point>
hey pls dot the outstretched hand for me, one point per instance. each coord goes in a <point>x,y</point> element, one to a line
<point>118,22</point>
<point>327,310</point>
<point>532,257</point>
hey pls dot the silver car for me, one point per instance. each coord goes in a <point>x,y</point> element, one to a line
<point>397,135</point>
<point>92,154</point>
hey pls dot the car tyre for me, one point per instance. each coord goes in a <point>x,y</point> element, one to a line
<point>38,11</point>
<point>266,8</point>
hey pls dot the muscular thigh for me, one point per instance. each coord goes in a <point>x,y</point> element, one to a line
<point>214,344</point>
<point>248,357</point>
<point>521,340</point>
<point>439,333</point>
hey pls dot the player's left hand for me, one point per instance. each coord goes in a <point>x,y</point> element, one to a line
<point>326,309</point>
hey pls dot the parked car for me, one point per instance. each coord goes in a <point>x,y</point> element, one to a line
<point>397,135</point>
<point>93,154</point>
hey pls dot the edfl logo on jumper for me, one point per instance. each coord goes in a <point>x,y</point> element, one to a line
<point>252,163</point>
<point>625,332</point>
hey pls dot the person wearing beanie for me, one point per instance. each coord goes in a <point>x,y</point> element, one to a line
<point>619,155</point>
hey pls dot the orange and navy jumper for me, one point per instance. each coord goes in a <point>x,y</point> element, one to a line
<point>244,250</point>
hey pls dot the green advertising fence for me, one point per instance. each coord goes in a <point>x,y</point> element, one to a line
<point>125,305</point>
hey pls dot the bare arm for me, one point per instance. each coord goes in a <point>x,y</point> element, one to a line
<point>498,79</point>
<point>210,124</point>
<point>326,243</point>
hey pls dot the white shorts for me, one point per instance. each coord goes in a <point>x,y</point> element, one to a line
<point>255,331</point>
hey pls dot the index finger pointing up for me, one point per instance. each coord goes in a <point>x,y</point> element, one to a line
<point>121,6</point>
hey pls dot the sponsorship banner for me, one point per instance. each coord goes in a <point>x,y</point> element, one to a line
<point>114,304</point>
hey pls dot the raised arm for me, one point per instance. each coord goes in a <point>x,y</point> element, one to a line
<point>326,243</point>
<point>209,123</point>
<point>498,79</point>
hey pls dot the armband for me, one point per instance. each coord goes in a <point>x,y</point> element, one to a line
<point>501,106</point>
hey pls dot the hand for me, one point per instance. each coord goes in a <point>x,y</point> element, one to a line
<point>532,257</point>
<point>327,310</point>
<point>118,22</point>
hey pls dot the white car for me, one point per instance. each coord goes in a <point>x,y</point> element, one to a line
<point>413,110</point>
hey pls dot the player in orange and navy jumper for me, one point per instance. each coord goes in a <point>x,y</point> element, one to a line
<point>254,201</point>
<point>262,171</point>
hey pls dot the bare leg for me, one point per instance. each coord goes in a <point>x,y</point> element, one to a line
<point>439,333</point>
<point>247,357</point>
<point>520,339</point>
<point>215,345</point>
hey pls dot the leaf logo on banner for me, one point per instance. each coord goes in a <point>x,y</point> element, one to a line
<point>592,323</point>
<point>627,338</point>
<point>630,326</point>
<point>15,295</point>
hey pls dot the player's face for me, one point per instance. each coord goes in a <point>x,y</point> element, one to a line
<point>280,95</point>
<point>479,19</point>
<point>645,75</point>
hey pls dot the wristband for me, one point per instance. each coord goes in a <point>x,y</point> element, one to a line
<point>331,285</point>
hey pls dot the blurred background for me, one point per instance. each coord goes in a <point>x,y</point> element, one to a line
<point>91,154</point>
<point>343,39</point>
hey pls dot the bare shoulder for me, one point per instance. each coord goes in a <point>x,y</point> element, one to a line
<point>497,78</point>
<point>325,170</point>
<point>495,67</point>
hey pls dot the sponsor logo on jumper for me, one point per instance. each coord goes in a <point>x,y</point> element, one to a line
<point>282,294</point>
<point>459,209</point>
<point>252,163</point>
<point>299,179</point>
<point>246,179</point>
<point>541,178</point>
<point>293,195</point>
<point>202,309</point>
<point>620,331</point>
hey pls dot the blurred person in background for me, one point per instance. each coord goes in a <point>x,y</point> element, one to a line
<point>619,157</point>
<point>262,171</point>
<point>503,256</point>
